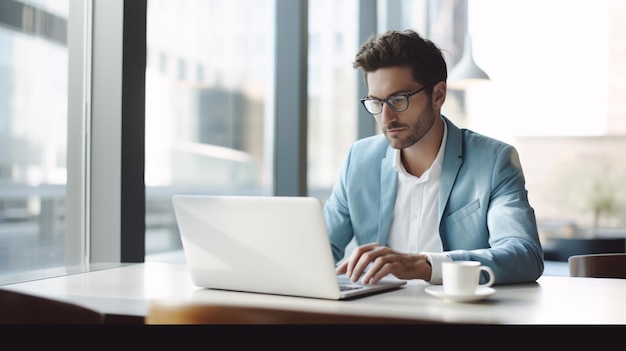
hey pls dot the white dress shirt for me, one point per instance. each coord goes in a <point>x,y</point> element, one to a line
<point>415,226</point>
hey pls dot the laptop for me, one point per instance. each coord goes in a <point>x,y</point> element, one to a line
<point>264,244</point>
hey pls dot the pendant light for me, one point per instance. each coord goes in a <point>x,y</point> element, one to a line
<point>466,72</point>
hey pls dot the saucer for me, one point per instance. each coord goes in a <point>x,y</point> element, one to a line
<point>481,293</point>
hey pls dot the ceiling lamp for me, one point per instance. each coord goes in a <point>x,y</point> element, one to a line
<point>466,72</point>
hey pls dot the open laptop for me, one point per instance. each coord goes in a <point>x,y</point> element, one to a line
<point>263,244</point>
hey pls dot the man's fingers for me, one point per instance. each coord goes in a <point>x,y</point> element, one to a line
<point>342,268</point>
<point>380,267</point>
<point>360,259</point>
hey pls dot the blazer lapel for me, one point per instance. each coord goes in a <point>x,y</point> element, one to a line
<point>452,160</point>
<point>388,186</point>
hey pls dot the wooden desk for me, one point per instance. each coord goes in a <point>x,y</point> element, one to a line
<point>126,291</point>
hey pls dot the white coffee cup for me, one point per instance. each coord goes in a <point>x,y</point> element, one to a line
<point>462,277</point>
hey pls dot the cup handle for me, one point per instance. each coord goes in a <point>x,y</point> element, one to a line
<point>492,277</point>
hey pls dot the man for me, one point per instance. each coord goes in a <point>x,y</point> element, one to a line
<point>426,191</point>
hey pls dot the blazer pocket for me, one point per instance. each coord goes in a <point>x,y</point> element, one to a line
<point>465,210</point>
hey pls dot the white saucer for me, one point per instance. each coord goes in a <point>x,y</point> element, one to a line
<point>481,293</point>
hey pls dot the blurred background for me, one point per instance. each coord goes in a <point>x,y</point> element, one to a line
<point>555,90</point>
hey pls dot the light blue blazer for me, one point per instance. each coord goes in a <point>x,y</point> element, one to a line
<point>484,213</point>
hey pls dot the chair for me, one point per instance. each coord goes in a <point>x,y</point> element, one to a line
<point>560,249</point>
<point>609,265</point>
<point>21,308</point>
<point>167,312</point>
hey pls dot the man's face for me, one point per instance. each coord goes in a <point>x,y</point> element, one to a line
<point>402,129</point>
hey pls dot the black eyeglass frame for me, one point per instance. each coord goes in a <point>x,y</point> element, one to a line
<point>386,101</point>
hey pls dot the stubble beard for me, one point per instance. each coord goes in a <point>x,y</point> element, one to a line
<point>415,131</point>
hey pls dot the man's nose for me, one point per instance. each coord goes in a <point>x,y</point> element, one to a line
<point>387,114</point>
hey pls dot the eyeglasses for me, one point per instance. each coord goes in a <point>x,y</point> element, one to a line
<point>398,103</point>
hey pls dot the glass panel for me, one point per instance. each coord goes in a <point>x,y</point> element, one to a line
<point>33,135</point>
<point>332,89</point>
<point>209,105</point>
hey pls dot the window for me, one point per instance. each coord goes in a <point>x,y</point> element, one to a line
<point>332,90</point>
<point>209,105</point>
<point>46,189</point>
<point>34,61</point>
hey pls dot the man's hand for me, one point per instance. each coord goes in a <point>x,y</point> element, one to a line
<point>384,261</point>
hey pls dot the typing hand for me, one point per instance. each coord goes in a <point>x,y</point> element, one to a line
<point>372,262</point>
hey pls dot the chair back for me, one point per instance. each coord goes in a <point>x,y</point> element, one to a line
<point>610,265</point>
<point>168,312</point>
<point>21,308</point>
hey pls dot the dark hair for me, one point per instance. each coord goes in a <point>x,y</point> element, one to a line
<point>406,48</point>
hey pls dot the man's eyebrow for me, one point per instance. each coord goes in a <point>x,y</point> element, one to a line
<point>395,93</point>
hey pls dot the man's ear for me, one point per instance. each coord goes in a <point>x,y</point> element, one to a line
<point>439,94</point>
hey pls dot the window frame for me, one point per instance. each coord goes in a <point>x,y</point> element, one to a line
<point>79,101</point>
<point>115,190</point>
